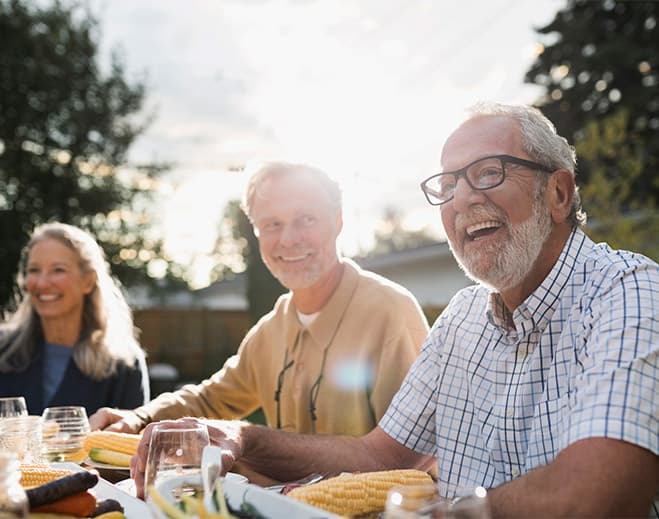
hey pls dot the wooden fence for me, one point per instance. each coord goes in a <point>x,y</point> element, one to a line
<point>197,341</point>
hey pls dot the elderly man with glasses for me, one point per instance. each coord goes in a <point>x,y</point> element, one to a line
<point>334,350</point>
<point>539,383</point>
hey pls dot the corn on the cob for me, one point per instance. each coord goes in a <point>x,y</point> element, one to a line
<point>356,494</point>
<point>36,475</point>
<point>114,441</point>
<point>118,459</point>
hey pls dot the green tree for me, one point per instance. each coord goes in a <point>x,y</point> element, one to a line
<point>615,162</point>
<point>263,289</point>
<point>65,129</point>
<point>391,235</point>
<point>600,56</point>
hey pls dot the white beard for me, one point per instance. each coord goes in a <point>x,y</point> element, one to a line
<point>514,258</point>
<point>298,280</point>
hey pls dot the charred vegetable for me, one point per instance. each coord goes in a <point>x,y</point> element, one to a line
<point>61,487</point>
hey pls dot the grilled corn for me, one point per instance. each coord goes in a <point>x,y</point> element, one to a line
<point>118,459</point>
<point>356,494</point>
<point>114,441</point>
<point>36,475</point>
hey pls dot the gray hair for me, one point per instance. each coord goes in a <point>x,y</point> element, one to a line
<point>107,333</point>
<point>541,142</point>
<point>262,171</point>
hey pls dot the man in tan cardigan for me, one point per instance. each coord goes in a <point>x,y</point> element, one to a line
<point>332,352</point>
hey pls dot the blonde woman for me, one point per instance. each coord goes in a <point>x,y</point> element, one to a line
<point>71,340</point>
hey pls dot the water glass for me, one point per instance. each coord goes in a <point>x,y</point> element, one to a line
<point>12,406</point>
<point>173,464</point>
<point>64,429</point>
<point>469,503</point>
<point>22,435</point>
<point>406,501</point>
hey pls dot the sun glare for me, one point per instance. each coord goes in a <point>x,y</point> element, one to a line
<point>367,91</point>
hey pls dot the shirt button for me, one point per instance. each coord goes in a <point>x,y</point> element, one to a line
<point>515,472</point>
<point>510,412</point>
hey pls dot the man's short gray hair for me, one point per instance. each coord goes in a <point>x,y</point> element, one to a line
<point>541,141</point>
<point>261,171</point>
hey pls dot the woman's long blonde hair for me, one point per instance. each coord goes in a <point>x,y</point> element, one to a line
<point>107,333</point>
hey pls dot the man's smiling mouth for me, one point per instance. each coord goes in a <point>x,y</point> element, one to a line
<point>481,229</point>
<point>293,259</point>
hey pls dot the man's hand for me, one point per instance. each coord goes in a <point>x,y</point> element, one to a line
<point>118,420</point>
<point>226,434</point>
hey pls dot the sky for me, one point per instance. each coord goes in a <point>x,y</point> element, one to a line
<point>367,90</point>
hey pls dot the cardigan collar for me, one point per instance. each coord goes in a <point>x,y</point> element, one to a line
<point>326,324</point>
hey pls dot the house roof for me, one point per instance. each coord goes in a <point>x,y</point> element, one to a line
<point>429,271</point>
<point>401,257</point>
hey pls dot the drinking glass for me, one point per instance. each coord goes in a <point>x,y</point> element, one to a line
<point>63,430</point>
<point>469,503</point>
<point>407,501</point>
<point>12,406</point>
<point>22,435</point>
<point>173,464</point>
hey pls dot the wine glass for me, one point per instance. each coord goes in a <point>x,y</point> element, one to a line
<point>11,406</point>
<point>173,464</point>
<point>63,430</point>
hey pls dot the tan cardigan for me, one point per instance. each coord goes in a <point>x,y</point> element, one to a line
<point>372,329</point>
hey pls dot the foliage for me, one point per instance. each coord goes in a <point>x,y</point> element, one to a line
<point>600,69</point>
<point>65,129</point>
<point>615,162</point>
<point>599,56</point>
<point>392,236</point>
<point>263,289</point>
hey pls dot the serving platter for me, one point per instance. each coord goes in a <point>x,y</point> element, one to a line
<point>239,494</point>
<point>247,497</point>
<point>133,508</point>
<point>104,466</point>
<point>270,503</point>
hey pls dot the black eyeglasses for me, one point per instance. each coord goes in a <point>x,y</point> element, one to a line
<point>313,392</point>
<point>480,174</point>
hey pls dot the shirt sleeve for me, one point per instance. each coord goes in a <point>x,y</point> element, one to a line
<point>227,394</point>
<point>410,419</point>
<point>616,387</point>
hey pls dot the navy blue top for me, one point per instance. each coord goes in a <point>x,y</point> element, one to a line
<point>56,360</point>
<point>127,388</point>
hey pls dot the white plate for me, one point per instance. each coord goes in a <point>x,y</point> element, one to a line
<point>104,466</point>
<point>128,485</point>
<point>133,507</point>
<point>271,504</point>
<point>266,502</point>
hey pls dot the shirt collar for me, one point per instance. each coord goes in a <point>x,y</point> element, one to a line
<point>537,310</point>
<point>324,327</point>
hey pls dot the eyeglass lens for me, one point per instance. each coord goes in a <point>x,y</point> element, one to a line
<point>484,174</point>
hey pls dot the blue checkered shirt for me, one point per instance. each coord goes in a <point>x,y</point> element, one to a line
<point>582,361</point>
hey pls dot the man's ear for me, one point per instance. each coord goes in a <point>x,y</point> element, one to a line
<point>560,193</point>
